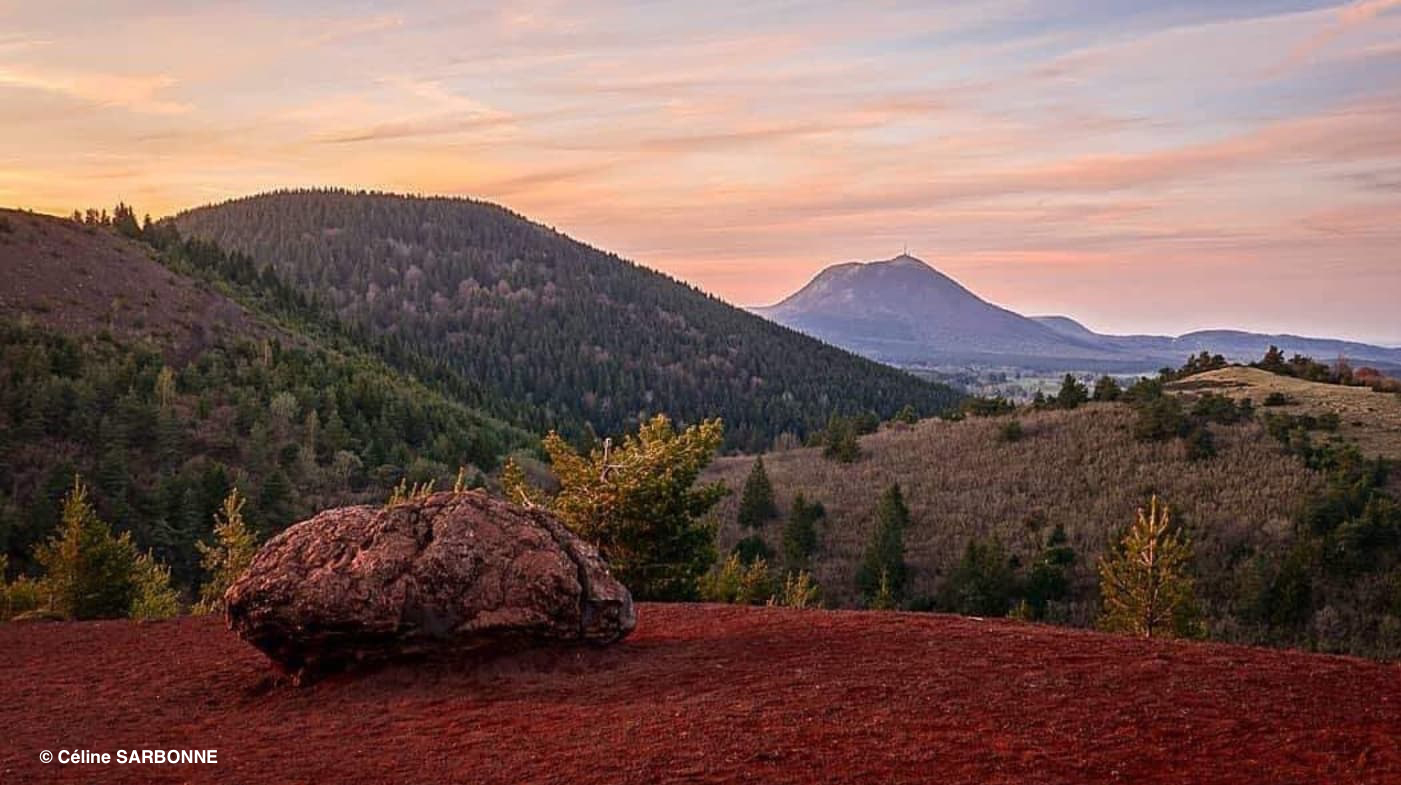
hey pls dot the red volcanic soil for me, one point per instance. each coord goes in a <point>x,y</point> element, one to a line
<point>707,694</point>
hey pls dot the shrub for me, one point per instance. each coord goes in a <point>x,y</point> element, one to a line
<point>1159,419</point>
<point>733,581</point>
<point>1276,399</point>
<point>839,441</point>
<point>1011,431</point>
<point>22,596</point>
<point>1219,409</point>
<point>799,590</point>
<point>1200,445</point>
<point>1144,582</point>
<point>979,406</point>
<point>752,549</point>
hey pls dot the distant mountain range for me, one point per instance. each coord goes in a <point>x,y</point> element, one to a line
<point>581,340</point>
<point>903,312</point>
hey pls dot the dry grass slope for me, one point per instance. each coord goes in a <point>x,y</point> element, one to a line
<point>1371,419</point>
<point>81,280</point>
<point>1081,469</point>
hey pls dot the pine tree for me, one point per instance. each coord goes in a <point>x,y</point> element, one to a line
<point>275,502</point>
<point>800,532</point>
<point>1048,581</point>
<point>738,582</point>
<point>756,504</point>
<point>153,596</point>
<point>232,552</point>
<point>88,571</point>
<point>840,440</point>
<point>1072,393</point>
<point>883,565</point>
<point>1107,389</point>
<point>1145,584</point>
<point>983,582</point>
<point>516,488</point>
<point>884,597</point>
<point>638,504</point>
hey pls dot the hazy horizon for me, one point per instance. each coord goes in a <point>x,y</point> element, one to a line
<point>1139,167</point>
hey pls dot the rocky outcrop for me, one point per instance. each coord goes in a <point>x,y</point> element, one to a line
<point>453,572</point>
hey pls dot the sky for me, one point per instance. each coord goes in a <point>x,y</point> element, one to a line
<point>1142,166</point>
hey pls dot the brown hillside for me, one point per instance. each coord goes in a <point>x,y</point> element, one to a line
<point>82,279</point>
<point>708,694</point>
<point>1371,419</point>
<point>1081,468</point>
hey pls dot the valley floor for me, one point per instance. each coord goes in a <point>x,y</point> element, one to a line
<point>710,694</point>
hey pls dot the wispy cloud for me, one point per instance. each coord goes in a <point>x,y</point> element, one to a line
<point>1352,15</point>
<point>138,93</point>
<point>1037,150</point>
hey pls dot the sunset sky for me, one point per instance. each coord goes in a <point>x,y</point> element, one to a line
<point>1139,165</point>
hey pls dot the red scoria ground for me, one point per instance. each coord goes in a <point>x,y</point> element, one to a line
<point>706,694</point>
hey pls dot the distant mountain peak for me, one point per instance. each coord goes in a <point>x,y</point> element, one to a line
<point>904,311</point>
<point>894,309</point>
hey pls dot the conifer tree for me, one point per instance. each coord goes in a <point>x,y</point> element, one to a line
<point>1072,393</point>
<point>638,504</point>
<point>1144,582</point>
<point>884,597</point>
<point>88,570</point>
<point>153,597</point>
<point>840,440</point>
<point>1107,389</point>
<point>800,532</point>
<point>799,590</point>
<point>984,581</point>
<point>516,488</point>
<point>756,502</point>
<point>232,552</point>
<point>1048,581</point>
<point>883,565</point>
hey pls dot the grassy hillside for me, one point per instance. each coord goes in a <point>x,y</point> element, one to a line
<point>138,370</point>
<point>1080,469</point>
<point>588,340</point>
<point>1370,419</point>
<point>81,280</point>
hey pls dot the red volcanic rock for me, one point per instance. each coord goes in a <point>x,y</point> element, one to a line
<point>454,572</point>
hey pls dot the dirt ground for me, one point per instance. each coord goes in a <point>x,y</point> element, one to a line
<point>709,694</point>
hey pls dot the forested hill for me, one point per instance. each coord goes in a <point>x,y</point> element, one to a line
<point>167,376</point>
<point>587,338</point>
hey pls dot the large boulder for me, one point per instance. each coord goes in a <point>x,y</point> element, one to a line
<point>453,572</point>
